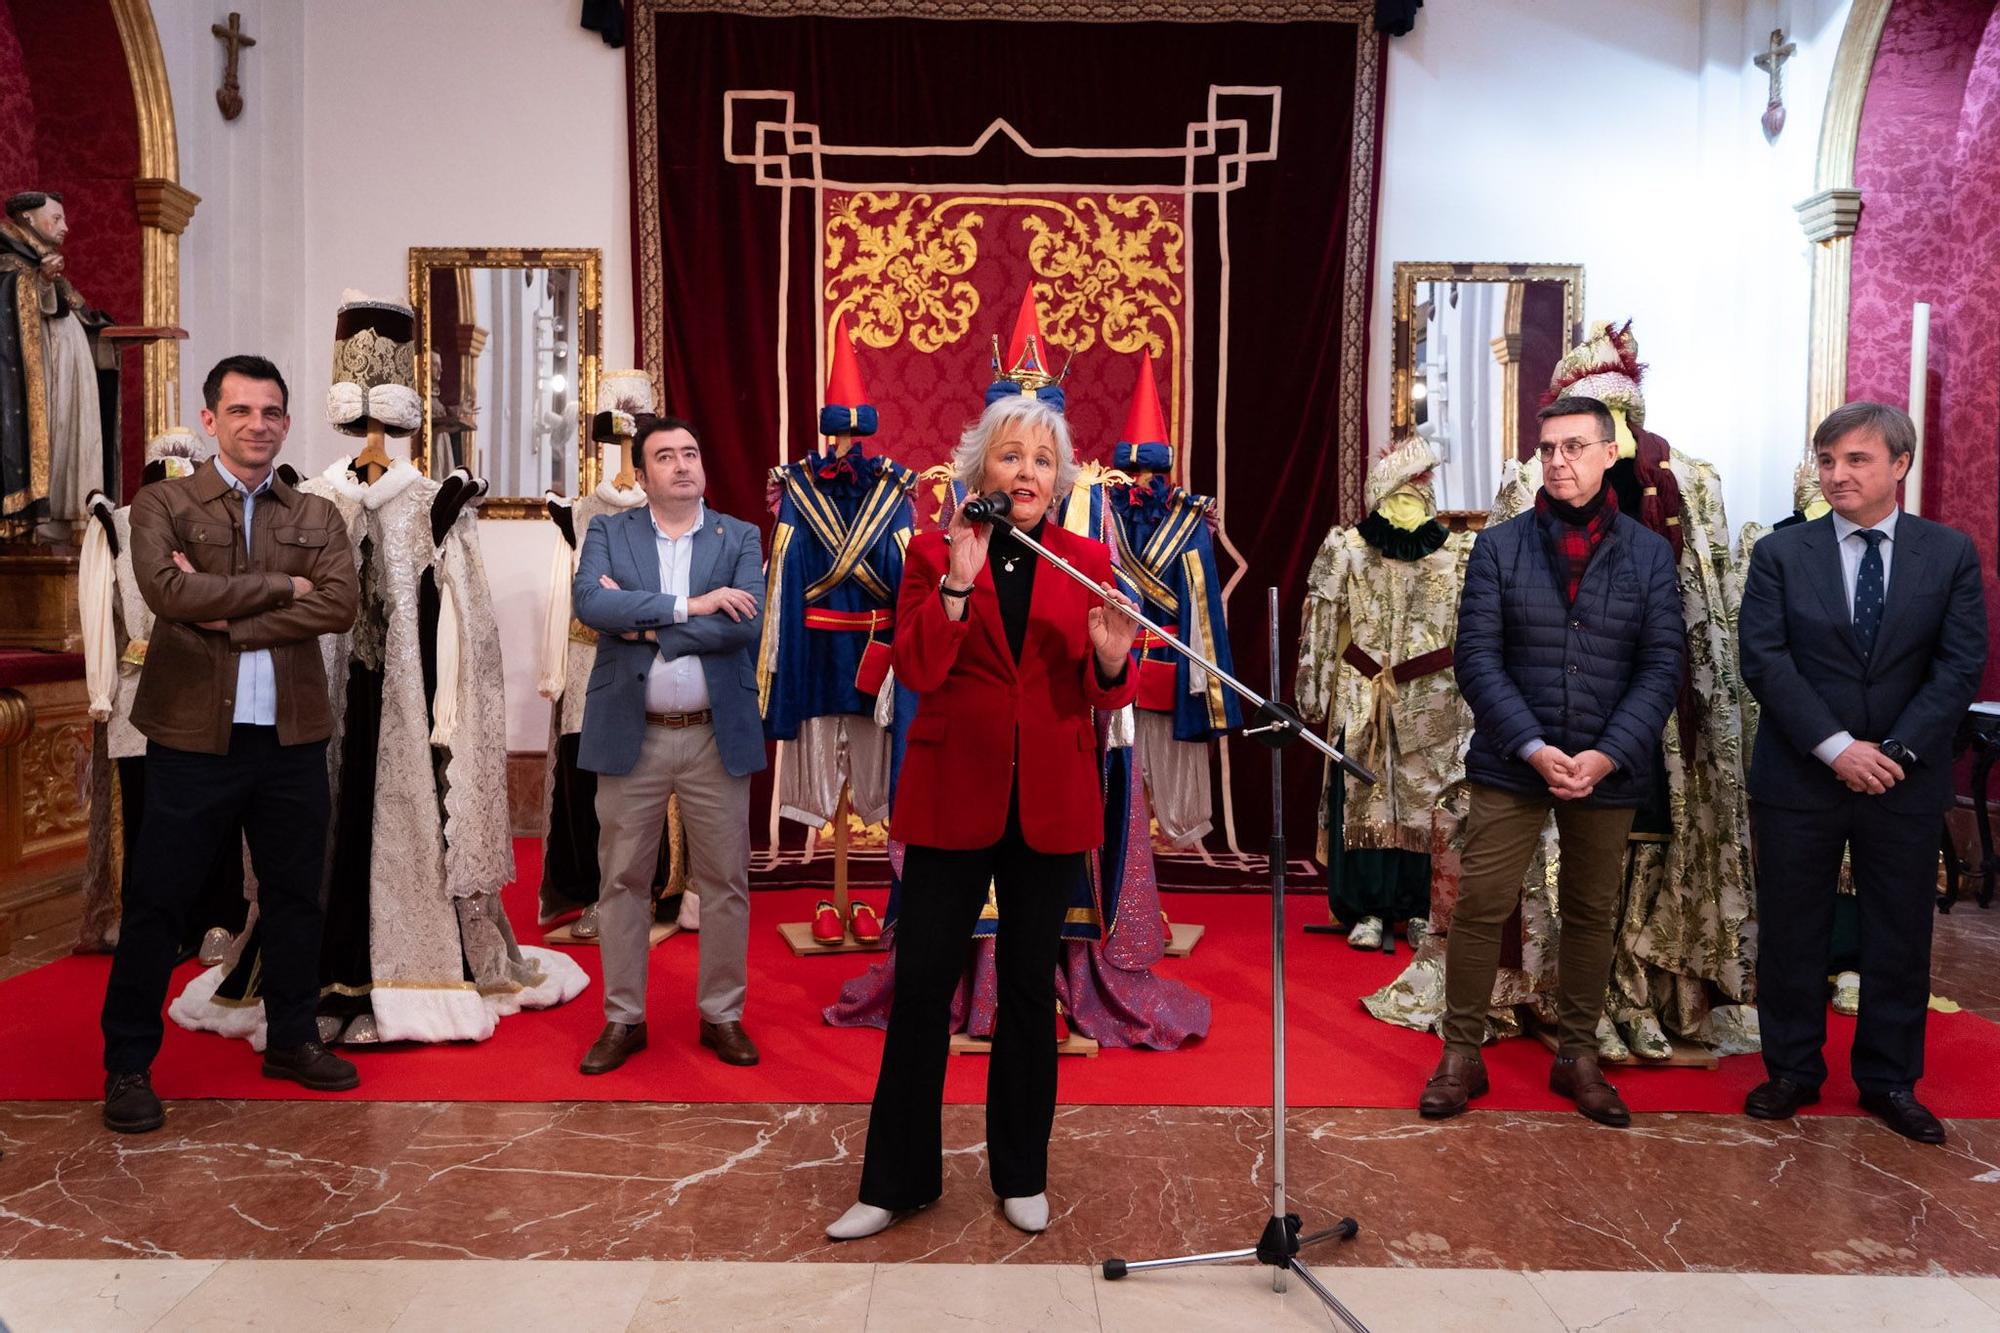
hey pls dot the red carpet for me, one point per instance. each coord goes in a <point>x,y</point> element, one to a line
<point>1337,1055</point>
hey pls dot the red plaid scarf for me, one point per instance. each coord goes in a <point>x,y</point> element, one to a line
<point>1574,543</point>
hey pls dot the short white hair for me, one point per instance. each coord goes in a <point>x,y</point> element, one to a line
<point>1002,417</point>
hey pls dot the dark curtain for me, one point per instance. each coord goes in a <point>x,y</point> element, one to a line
<point>708,241</point>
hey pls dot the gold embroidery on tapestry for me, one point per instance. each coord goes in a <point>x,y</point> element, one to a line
<point>904,279</point>
<point>1111,272</point>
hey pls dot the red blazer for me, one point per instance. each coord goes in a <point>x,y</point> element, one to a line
<point>977,704</point>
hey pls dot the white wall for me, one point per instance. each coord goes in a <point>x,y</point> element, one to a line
<point>243,255</point>
<point>1668,195</point>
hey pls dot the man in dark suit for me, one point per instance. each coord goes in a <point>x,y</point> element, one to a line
<point>672,588</point>
<point>1864,638</point>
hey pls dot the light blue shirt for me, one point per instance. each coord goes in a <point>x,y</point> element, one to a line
<point>256,681</point>
<point>677,685</point>
<point>1851,549</point>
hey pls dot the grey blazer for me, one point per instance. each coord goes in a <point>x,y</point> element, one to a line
<point>727,552</point>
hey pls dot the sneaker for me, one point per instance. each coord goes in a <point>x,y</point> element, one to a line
<point>130,1106</point>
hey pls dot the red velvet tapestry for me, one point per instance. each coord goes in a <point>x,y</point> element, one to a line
<point>73,83</point>
<point>1200,185</point>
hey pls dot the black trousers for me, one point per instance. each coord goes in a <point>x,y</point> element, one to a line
<point>195,803</point>
<point>943,893</point>
<point>1895,874</point>
<point>220,902</point>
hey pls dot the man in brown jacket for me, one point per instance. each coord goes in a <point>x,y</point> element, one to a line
<point>244,574</point>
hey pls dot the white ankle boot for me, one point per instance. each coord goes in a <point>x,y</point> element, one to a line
<point>1030,1214</point>
<point>865,1219</point>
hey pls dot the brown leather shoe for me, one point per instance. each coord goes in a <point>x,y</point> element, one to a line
<point>614,1045</point>
<point>1458,1079</point>
<point>730,1042</point>
<point>1578,1078</point>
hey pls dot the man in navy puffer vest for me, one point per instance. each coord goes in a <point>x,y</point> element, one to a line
<point>1570,650</point>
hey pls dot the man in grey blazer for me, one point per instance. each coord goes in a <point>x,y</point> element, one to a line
<point>673,590</point>
<point>1864,638</point>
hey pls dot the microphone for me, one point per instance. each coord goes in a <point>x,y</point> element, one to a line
<point>987,508</point>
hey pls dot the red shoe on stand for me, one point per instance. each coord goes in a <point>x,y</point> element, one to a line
<point>866,925</point>
<point>827,926</point>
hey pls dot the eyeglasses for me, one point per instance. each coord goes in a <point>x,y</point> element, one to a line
<point>1571,449</point>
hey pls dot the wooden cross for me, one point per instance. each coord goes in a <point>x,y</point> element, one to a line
<point>230,95</point>
<point>1772,62</point>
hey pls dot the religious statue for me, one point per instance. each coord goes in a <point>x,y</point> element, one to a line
<point>52,436</point>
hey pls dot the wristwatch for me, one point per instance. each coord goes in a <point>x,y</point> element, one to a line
<point>1898,752</point>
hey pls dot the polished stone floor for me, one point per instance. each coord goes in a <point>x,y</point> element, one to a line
<point>584,1297</point>
<point>1494,1221</point>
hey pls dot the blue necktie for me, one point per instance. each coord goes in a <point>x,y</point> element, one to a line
<point>1868,592</point>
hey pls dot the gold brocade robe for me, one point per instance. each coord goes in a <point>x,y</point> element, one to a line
<point>1413,733</point>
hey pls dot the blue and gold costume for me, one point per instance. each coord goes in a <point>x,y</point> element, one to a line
<point>836,561</point>
<point>1159,536</point>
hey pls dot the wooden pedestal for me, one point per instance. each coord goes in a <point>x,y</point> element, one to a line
<point>38,601</point>
<point>45,741</point>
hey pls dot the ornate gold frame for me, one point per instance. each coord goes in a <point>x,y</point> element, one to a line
<point>1408,274</point>
<point>165,208</point>
<point>590,338</point>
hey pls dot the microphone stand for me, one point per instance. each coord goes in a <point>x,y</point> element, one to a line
<point>1279,725</point>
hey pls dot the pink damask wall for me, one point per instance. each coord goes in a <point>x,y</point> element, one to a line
<point>17,113</point>
<point>1928,166</point>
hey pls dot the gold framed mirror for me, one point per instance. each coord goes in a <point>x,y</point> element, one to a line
<point>508,353</point>
<point>1472,347</point>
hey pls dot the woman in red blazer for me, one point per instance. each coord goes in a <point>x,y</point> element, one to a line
<point>999,786</point>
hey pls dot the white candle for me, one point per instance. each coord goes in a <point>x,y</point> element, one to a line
<point>1920,346</point>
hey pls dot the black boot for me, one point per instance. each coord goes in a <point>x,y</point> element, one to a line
<point>313,1065</point>
<point>130,1106</point>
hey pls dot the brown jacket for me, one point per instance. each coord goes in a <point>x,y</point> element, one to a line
<point>187,688</point>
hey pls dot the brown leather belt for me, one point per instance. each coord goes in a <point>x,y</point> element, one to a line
<point>1415,668</point>
<point>680,721</point>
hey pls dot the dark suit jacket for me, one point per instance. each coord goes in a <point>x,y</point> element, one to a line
<point>614,711</point>
<point>1804,665</point>
<point>979,708</point>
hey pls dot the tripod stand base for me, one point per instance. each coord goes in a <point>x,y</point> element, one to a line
<point>1277,1248</point>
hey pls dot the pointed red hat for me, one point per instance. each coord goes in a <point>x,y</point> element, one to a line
<point>1143,443</point>
<point>845,410</point>
<point>1027,324</point>
<point>1026,367</point>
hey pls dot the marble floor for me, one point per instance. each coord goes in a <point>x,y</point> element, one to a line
<point>656,1216</point>
<point>361,1296</point>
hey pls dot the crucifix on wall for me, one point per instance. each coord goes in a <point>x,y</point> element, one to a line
<point>1772,62</point>
<point>230,95</point>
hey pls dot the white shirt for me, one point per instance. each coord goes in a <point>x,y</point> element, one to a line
<point>256,678</point>
<point>676,684</point>
<point>1852,548</point>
